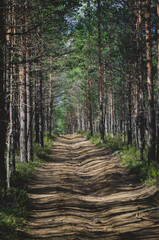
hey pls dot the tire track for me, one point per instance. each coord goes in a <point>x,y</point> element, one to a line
<point>82,192</point>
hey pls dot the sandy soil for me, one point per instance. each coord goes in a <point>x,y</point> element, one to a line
<point>82,192</point>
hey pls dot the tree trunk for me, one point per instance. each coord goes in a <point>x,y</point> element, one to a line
<point>129,107</point>
<point>101,125</point>
<point>29,110</point>
<point>41,125</point>
<point>22,92</point>
<point>37,108</point>
<point>111,101</point>
<point>22,88</point>
<point>151,110</point>
<point>105,99</point>
<point>10,70</point>
<point>89,87</point>
<point>89,73</point>
<point>50,103</point>
<point>28,87</point>
<point>2,96</point>
<point>141,118</point>
<point>157,53</point>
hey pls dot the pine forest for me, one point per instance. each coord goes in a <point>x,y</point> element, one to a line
<point>77,77</point>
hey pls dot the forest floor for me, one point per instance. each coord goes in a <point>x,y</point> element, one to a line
<point>82,192</point>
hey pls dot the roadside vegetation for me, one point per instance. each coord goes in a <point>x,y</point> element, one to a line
<point>129,157</point>
<point>15,203</point>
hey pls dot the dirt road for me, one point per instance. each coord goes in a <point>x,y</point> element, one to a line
<point>82,192</point>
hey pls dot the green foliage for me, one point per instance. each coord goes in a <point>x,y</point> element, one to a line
<point>130,157</point>
<point>23,172</point>
<point>148,174</point>
<point>87,135</point>
<point>8,224</point>
<point>14,203</point>
<point>114,143</point>
<point>60,123</point>
<point>40,153</point>
<point>95,139</point>
<point>82,132</point>
<point>153,174</point>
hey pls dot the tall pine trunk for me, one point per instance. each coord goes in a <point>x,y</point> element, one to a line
<point>157,53</point>
<point>151,110</point>
<point>101,126</point>
<point>89,88</point>
<point>129,106</point>
<point>50,114</point>
<point>89,73</point>
<point>11,80</point>
<point>2,96</point>
<point>41,122</point>
<point>105,99</point>
<point>22,92</point>
<point>37,107</point>
<point>29,110</point>
<point>22,96</point>
<point>111,100</point>
<point>141,114</point>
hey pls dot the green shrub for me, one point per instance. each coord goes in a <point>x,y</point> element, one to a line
<point>14,204</point>
<point>95,139</point>
<point>114,143</point>
<point>41,152</point>
<point>13,212</point>
<point>153,174</point>
<point>82,132</point>
<point>129,156</point>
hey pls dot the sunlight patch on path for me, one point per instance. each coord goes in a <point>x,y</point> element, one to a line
<point>82,192</point>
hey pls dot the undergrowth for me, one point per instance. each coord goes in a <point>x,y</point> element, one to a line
<point>15,203</point>
<point>42,152</point>
<point>130,157</point>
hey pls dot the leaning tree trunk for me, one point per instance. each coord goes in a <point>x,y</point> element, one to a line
<point>101,126</point>
<point>151,110</point>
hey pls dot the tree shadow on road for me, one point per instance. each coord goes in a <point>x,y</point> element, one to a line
<point>82,192</point>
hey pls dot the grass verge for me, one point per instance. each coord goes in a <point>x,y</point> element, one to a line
<point>130,157</point>
<point>15,203</point>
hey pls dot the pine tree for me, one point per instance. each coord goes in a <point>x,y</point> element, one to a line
<point>2,95</point>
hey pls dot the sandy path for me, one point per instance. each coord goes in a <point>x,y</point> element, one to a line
<point>82,193</point>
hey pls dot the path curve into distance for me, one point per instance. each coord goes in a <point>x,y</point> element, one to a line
<point>82,192</point>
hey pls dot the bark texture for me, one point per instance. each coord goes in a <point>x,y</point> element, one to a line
<point>2,95</point>
<point>151,110</point>
<point>101,125</point>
